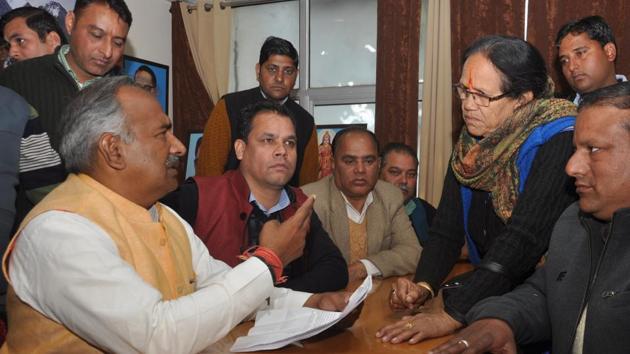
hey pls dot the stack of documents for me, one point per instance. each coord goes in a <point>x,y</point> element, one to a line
<point>276,328</point>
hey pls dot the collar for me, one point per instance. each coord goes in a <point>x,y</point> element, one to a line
<point>265,96</point>
<point>620,78</point>
<point>410,206</point>
<point>355,215</point>
<point>61,55</point>
<point>283,202</point>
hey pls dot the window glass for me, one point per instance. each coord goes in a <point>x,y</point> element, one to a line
<point>346,114</point>
<point>251,25</point>
<point>342,43</point>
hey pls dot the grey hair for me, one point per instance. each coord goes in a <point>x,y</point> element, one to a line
<point>92,113</point>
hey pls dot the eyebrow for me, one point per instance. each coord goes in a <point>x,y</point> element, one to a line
<point>166,126</point>
<point>579,48</point>
<point>94,27</point>
<point>473,88</point>
<point>358,157</point>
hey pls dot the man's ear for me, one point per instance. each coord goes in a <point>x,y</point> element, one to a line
<point>111,151</point>
<point>69,21</point>
<point>258,72</point>
<point>611,51</point>
<point>239,147</point>
<point>52,40</point>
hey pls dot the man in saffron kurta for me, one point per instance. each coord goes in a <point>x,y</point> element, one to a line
<point>255,193</point>
<point>99,265</point>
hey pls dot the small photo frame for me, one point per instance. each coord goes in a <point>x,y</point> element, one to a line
<point>150,75</point>
<point>194,142</point>
<point>325,136</point>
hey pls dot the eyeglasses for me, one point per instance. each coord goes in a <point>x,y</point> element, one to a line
<point>478,98</point>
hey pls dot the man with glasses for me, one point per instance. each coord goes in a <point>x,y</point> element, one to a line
<point>276,71</point>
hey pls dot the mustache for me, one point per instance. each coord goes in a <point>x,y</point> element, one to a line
<point>172,161</point>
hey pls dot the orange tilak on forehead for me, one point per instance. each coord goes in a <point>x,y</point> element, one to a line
<point>469,83</point>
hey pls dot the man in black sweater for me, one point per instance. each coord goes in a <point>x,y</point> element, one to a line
<point>98,31</point>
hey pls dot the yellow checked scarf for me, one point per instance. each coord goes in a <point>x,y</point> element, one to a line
<point>489,164</point>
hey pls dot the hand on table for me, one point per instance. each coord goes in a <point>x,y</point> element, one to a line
<point>335,301</point>
<point>422,326</point>
<point>406,295</point>
<point>487,335</point>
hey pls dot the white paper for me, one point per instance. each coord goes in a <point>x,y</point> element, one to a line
<point>279,327</point>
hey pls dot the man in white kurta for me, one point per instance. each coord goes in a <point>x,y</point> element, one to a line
<point>99,265</point>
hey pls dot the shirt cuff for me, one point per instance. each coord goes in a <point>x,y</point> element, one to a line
<point>371,268</point>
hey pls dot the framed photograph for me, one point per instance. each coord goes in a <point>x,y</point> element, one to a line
<point>152,76</point>
<point>325,136</point>
<point>194,142</point>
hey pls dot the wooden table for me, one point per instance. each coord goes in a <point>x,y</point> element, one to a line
<point>360,338</point>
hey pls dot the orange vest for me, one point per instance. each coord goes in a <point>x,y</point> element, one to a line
<point>158,251</point>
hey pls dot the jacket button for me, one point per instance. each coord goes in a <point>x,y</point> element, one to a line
<point>608,293</point>
<point>243,216</point>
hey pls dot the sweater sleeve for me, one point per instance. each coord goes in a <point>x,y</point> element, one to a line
<point>446,236</point>
<point>310,163</point>
<point>548,191</point>
<point>216,142</point>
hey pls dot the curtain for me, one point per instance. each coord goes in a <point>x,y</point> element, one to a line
<point>398,46</point>
<point>191,101</point>
<point>435,132</point>
<point>546,18</point>
<point>209,34</point>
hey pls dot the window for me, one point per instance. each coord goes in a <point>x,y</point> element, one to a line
<point>336,41</point>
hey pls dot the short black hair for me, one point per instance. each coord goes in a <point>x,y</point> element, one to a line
<point>594,26</point>
<point>400,148</point>
<point>521,66</point>
<point>250,112</point>
<point>277,46</point>
<point>340,134</point>
<point>39,20</point>
<point>119,7</point>
<point>617,95</point>
<point>147,70</point>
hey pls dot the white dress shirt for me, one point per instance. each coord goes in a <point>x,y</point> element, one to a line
<point>68,269</point>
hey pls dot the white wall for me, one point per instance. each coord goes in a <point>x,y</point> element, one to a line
<point>150,35</point>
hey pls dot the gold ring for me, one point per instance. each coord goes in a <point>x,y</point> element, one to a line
<point>464,342</point>
<point>409,325</point>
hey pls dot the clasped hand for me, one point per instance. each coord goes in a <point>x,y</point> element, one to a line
<point>432,322</point>
<point>406,295</point>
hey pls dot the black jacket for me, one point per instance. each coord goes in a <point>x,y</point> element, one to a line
<point>581,270</point>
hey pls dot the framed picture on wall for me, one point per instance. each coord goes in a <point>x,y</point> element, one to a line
<point>194,142</point>
<point>151,76</point>
<point>325,135</point>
